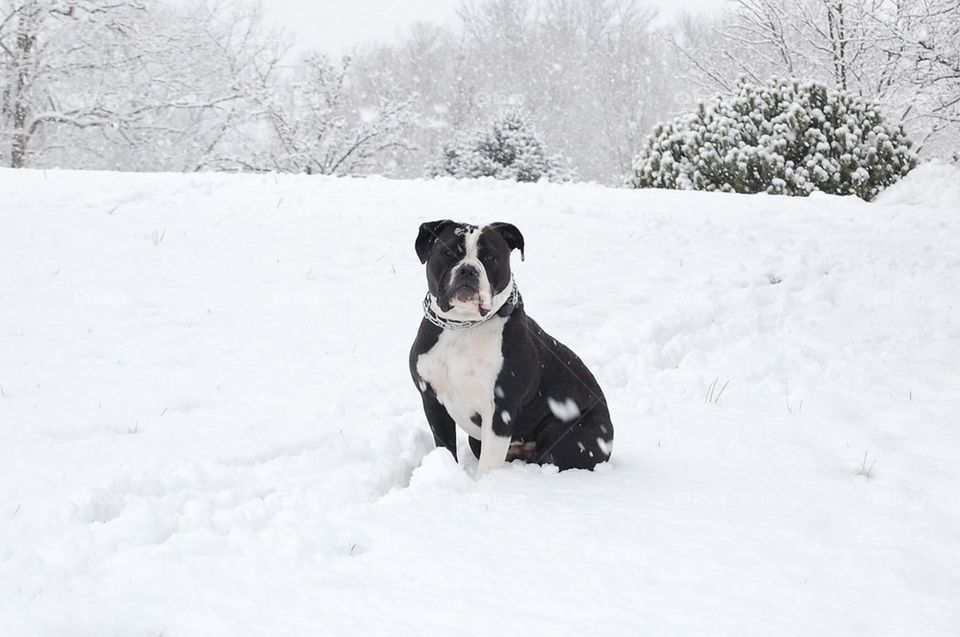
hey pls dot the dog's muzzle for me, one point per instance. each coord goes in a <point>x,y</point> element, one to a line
<point>465,286</point>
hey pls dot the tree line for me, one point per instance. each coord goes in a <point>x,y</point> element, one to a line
<point>194,85</point>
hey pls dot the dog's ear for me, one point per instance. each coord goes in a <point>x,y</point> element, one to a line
<point>429,232</point>
<point>511,235</point>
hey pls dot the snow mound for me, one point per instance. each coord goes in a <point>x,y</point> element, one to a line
<point>439,470</point>
<point>931,185</point>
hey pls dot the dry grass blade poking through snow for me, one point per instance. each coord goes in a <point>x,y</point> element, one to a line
<point>712,395</point>
<point>865,469</point>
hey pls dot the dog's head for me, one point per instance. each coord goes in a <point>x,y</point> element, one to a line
<point>468,267</point>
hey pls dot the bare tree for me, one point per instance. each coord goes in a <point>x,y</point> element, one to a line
<point>130,84</point>
<point>611,85</point>
<point>210,67</point>
<point>924,38</point>
<point>47,44</point>
<point>311,126</point>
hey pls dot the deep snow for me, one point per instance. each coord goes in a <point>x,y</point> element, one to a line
<point>207,424</point>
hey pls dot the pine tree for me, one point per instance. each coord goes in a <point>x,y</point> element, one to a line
<point>508,148</point>
<point>785,137</point>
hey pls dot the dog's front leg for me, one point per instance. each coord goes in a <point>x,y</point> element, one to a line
<point>441,424</point>
<point>495,437</point>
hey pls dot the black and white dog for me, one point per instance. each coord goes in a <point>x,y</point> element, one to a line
<point>483,365</point>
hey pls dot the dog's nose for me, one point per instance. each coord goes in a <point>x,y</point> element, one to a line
<point>468,272</point>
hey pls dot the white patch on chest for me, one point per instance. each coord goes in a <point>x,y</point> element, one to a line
<point>462,367</point>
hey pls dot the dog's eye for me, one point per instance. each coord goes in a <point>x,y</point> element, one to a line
<point>488,257</point>
<point>449,252</point>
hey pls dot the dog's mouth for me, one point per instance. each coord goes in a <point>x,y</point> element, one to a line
<point>469,296</point>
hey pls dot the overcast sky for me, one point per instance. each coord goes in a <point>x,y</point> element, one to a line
<point>336,25</point>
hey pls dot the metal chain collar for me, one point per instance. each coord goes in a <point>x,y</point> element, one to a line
<point>454,324</point>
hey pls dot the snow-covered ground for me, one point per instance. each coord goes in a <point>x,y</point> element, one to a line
<point>207,425</point>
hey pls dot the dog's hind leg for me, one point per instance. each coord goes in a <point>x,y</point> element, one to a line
<point>580,445</point>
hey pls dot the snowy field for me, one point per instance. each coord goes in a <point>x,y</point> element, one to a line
<point>207,425</point>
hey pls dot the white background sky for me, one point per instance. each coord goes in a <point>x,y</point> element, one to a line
<point>336,25</point>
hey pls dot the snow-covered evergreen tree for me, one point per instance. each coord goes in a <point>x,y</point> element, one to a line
<point>508,148</point>
<point>785,137</point>
<point>903,55</point>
